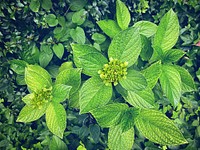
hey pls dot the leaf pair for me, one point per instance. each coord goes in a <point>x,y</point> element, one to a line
<point>152,124</point>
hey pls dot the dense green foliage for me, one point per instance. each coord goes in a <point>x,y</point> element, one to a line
<point>42,32</point>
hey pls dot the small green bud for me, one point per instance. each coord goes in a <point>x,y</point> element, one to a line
<point>114,71</point>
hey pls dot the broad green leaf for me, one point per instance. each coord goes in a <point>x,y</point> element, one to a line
<point>28,98</point>
<point>62,22</point>
<point>57,143</point>
<point>126,46</point>
<point>152,74</point>
<point>80,50</point>
<point>92,63</point>
<point>158,54</point>
<point>186,79</point>
<point>46,4</point>
<point>65,65</point>
<point>78,35</point>
<point>29,113</point>
<point>123,15</point>
<point>167,32</point>
<point>172,55</point>
<point>141,99</point>
<point>146,28</point>
<point>56,119</point>
<point>45,56</point>
<point>60,92</point>
<point>20,80</point>
<point>53,70</point>
<point>18,66</point>
<point>147,50</point>
<point>76,5</point>
<point>94,93</point>
<point>58,50</point>
<point>70,77</point>
<point>127,118</point>
<point>98,38</point>
<point>51,20</point>
<point>134,81</point>
<point>158,128</point>
<point>61,34</point>
<point>79,17</point>
<point>109,27</point>
<point>119,140</point>
<point>121,90</point>
<point>35,5</point>
<point>109,115</point>
<point>37,78</point>
<point>74,100</point>
<point>170,81</point>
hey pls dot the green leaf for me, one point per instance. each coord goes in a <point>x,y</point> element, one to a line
<point>158,128</point>
<point>146,28</point>
<point>147,50</point>
<point>109,115</point>
<point>126,46</point>
<point>98,38</point>
<point>170,81</point>
<point>141,99</point>
<point>46,4</point>
<point>134,81</point>
<point>167,32</point>
<point>186,79</point>
<point>35,5</point>
<point>198,74</point>
<point>76,5</point>
<point>109,27</point>
<point>74,100</point>
<point>65,65</point>
<point>58,50</point>
<point>127,119</point>
<point>152,74</point>
<point>79,17</point>
<point>53,70</point>
<point>20,80</point>
<point>18,66</point>
<point>119,140</point>
<point>157,54</point>
<point>45,56</point>
<point>29,113</point>
<point>95,132</point>
<point>28,98</point>
<point>172,55</point>
<point>62,21</point>
<point>57,143</point>
<point>80,50</point>
<point>56,119</point>
<point>94,93</point>
<point>51,20</point>
<point>78,35</point>
<point>60,92</point>
<point>37,78</point>
<point>123,15</point>
<point>92,63</point>
<point>70,77</point>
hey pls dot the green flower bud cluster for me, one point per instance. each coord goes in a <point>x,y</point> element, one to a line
<point>114,71</point>
<point>42,97</point>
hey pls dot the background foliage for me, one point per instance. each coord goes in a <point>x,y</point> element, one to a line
<point>33,34</point>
